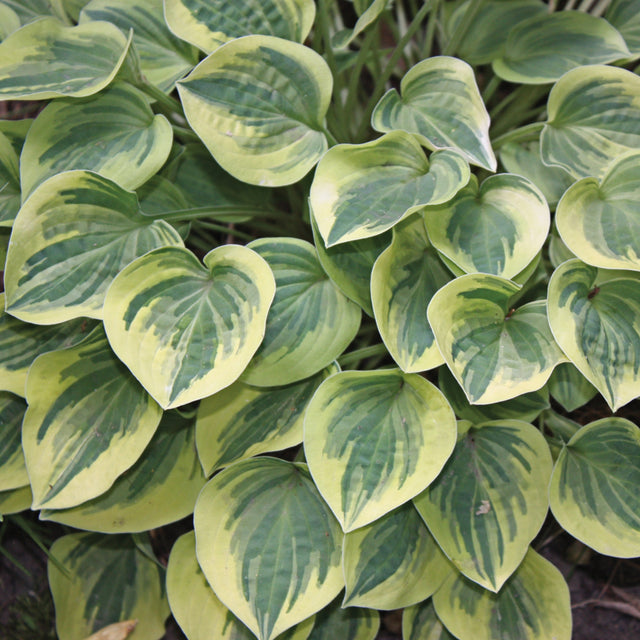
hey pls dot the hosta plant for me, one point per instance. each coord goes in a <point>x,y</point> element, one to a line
<point>330,282</point>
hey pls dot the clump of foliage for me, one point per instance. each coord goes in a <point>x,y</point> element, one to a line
<point>376,236</point>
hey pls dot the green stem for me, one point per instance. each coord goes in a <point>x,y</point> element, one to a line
<point>600,8</point>
<point>431,30</point>
<point>184,134</point>
<point>330,137</point>
<point>195,213</point>
<point>520,110</point>
<point>22,523</point>
<point>522,134</point>
<point>570,4</point>
<point>355,357</point>
<point>169,103</point>
<point>584,5</point>
<point>491,88</point>
<point>224,229</point>
<point>463,26</point>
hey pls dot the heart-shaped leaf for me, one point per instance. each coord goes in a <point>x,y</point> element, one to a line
<point>280,543</point>
<point>496,228</point>
<point>442,106</point>
<point>494,351</point>
<point>490,500</point>
<point>71,238</point>
<point>374,440</point>
<point>624,15</point>
<point>596,321</point>
<point>544,47</point>
<point>13,472</point>
<point>184,330</point>
<point>9,182</point>
<point>361,190</point>
<point>403,281</point>
<point>420,622</point>
<point>258,103</point>
<point>354,623</point>
<point>88,421</point>
<point>569,387</point>
<point>594,487</point>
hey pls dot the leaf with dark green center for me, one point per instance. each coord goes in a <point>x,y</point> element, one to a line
<point>355,623</point>
<point>362,190</point>
<point>442,107</point>
<point>9,182</point>
<point>595,318</point>
<point>16,131</point>
<point>624,15</point>
<point>281,544</point>
<point>594,487</point>
<point>258,103</point>
<point>494,351</point>
<point>108,580</point>
<point>403,281</point>
<point>420,622</point>
<point>490,500</point>
<point>374,440</point>
<point>570,388</point>
<point>532,605</point>
<point>88,421</point>
<point>544,47</point>
<point>13,472</point>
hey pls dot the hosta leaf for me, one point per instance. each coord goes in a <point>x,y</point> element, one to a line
<point>163,57</point>
<point>9,21</point>
<point>593,118</point>
<point>490,500</point>
<point>114,133</point>
<point>361,190</point>
<point>243,421</point>
<point>597,324</point>
<point>187,331</point>
<point>403,281</point>
<point>420,622</point>
<point>310,323</point>
<point>16,131</point>
<point>624,15</point>
<point>374,440</point>
<point>15,500</point>
<point>13,472</point>
<point>354,623</point>
<point>74,7</point>
<point>88,421</point>
<point>46,60</point>
<point>267,544</point>
<point>600,221</point>
<point>9,182</point>
<point>495,352</point>
<point>71,238</point>
<point>524,159</point>
<point>594,487</point>
<point>544,47</point>
<point>393,562</point>
<point>533,605</point>
<point>442,106</point>
<point>569,387</point>
<point>109,580</point>
<point>258,103</point>
<point>161,487</point>
<point>211,24</point>
<point>496,228</point>
<point>345,37</point>
<point>30,10</point>
<point>558,251</point>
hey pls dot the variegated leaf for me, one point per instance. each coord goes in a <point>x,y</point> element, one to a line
<point>108,580</point>
<point>532,605</point>
<point>593,118</point>
<point>4,245</point>
<point>403,281</point>
<point>442,107</point>
<point>595,318</point>
<point>420,622</point>
<point>599,221</point>
<point>161,487</point>
<point>268,544</point>
<point>163,57</point>
<point>558,250</point>
<point>624,15</point>
<point>9,21</point>
<point>88,421</point>
<point>393,562</point>
<point>46,59</point>
<point>345,37</point>
<point>13,472</point>
<point>71,238</point>
<point>494,351</point>
<point>114,133</point>
<point>490,500</point>
<point>594,487</point>
<point>310,322</point>
<point>497,228</point>
<point>31,10</point>
<point>74,7</point>
<point>187,331</point>
<point>9,182</point>
<point>569,387</point>
<point>361,190</point>
<point>544,47</point>
<point>354,623</point>
<point>243,421</point>
<point>258,103</point>
<point>374,440</point>
<point>15,500</point>
<point>211,24</point>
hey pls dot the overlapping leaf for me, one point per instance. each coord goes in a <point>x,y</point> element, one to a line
<point>258,103</point>
<point>9,21</point>
<point>31,10</point>
<point>13,472</point>
<point>361,190</point>
<point>9,182</point>
<point>494,351</point>
<point>624,15</point>
<point>15,500</point>
<point>442,106</point>
<point>184,330</point>
<point>345,37</point>
<point>280,543</point>
<point>88,421</point>
<point>374,440</point>
<point>496,228</point>
<point>420,622</point>
<point>594,487</point>
<point>355,623</point>
<point>490,500</point>
<point>569,387</point>
<point>595,319</point>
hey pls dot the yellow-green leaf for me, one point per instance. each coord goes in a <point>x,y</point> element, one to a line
<point>420,622</point>
<point>13,472</point>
